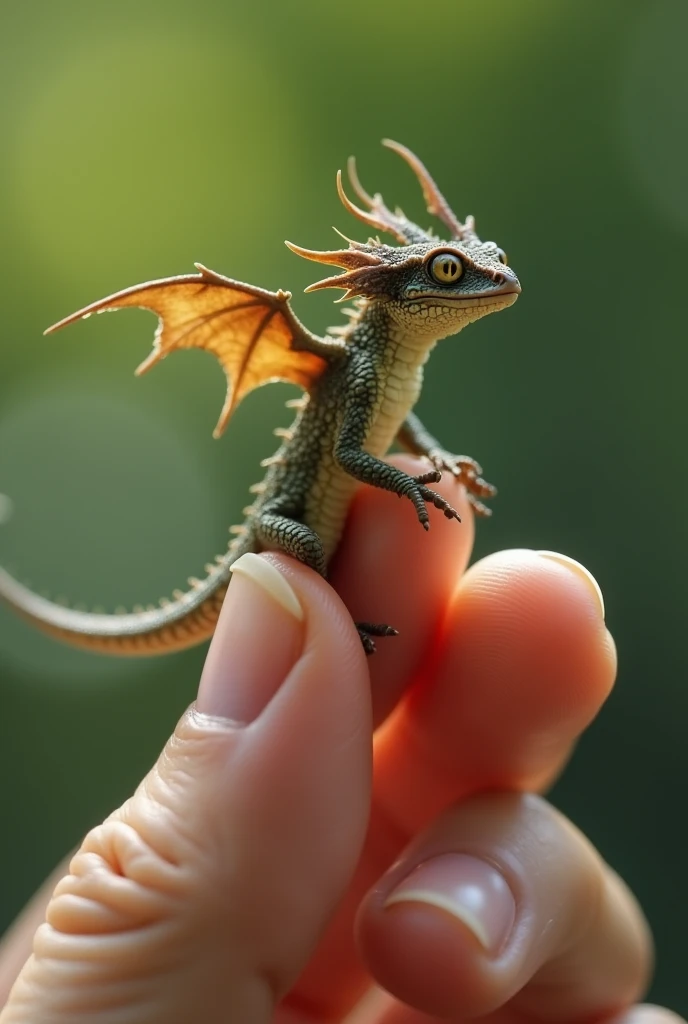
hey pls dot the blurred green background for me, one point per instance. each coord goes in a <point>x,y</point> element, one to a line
<point>139,136</point>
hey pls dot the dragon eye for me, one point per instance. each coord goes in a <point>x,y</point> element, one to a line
<point>502,257</point>
<point>446,268</point>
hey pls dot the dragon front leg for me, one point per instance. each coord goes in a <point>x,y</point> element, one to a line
<point>275,528</point>
<point>351,456</point>
<point>415,438</point>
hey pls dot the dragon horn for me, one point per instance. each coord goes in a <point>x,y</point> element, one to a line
<point>436,204</point>
<point>379,217</point>
<point>352,171</point>
<point>347,259</point>
<point>367,281</point>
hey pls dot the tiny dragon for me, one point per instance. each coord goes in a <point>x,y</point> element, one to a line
<point>360,383</point>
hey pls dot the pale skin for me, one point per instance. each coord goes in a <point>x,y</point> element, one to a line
<point>249,878</point>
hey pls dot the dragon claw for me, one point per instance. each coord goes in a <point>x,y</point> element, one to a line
<point>469,473</point>
<point>367,630</point>
<point>433,477</point>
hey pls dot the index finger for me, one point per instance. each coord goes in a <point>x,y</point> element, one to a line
<point>514,667</point>
<point>388,569</point>
<point>524,663</point>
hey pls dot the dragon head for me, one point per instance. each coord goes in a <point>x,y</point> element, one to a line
<point>431,287</point>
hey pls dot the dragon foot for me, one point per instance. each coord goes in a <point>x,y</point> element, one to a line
<point>421,496</point>
<point>468,472</point>
<point>367,630</point>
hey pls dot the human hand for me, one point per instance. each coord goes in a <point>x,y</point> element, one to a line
<point>263,873</point>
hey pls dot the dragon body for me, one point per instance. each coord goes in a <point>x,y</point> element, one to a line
<point>360,385</point>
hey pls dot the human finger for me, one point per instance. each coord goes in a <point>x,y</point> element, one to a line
<point>15,945</point>
<point>202,896</point>
<point>387,569</point>
<point>502,910</point>
<point>382,1008</point>
<point>524,663</point>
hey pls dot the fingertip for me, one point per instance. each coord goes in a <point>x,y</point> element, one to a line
<point>437,931</point>
<point>523,663</point>
<point>330,636</point>
<point>579,570</point>
<point>427,959</point>
<point>294,780</point>
<point>242,672</point>
<point>276,613</point>
<point>502,903</point>
<point>544,614</point>
<point>426,938</point>
<point>577,585</point>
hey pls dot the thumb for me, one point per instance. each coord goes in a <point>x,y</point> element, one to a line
<point>202,897</point>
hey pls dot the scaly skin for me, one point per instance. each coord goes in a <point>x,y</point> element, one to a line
<point>346,422</point>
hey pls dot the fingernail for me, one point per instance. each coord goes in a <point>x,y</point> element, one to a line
<point>580,571</point>
<point>257,642</point>
<point>469,889</point>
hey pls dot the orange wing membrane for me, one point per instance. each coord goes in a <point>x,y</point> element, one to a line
<point>253,332</point>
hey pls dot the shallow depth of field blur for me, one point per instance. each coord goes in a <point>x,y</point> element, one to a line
<point>138,137</point>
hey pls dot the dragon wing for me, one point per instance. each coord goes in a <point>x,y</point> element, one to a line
<point>253,332</point>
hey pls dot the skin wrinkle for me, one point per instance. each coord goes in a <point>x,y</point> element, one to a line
<point>76,994</point>
<point>132,900</point>
<point>135,849</point>
<point>129,954</point>
<point>129,904</point>
<point>95,915</point>
<point>143,988</point>
<point>192,752</point>
<point>142,945</point>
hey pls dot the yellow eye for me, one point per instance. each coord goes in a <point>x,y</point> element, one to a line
<point>502,257</point>
<point>446,268</point>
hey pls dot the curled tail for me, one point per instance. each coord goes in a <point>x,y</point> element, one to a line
<point>185,620</point>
